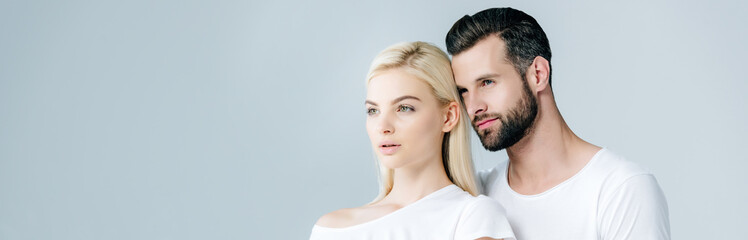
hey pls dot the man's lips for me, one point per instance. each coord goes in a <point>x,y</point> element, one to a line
<point>486,123</point>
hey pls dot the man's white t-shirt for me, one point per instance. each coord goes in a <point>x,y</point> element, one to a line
<point>610,198</point>
<point>448,213</point>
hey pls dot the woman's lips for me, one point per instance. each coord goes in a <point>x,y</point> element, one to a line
<point>486,123</point>
<point>389,149</point>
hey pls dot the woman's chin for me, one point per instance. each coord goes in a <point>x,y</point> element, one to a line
<point>391,162</point>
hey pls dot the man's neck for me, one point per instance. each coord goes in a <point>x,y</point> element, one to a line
<point>547,156</point>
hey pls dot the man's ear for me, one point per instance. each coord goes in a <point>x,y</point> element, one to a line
<point>539,74</point>
<point>451,116</point>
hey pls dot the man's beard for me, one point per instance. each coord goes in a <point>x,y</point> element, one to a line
<point>514,126</point>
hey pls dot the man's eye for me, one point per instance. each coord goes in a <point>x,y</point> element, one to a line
<point>461,91</point>
<point>486,83</point>
<point>372,111</point>
<point>405,108</point>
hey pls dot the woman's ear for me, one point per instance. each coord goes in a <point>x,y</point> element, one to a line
<point>451,116</point>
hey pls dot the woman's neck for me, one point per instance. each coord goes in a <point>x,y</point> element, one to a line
<point>412,183</point>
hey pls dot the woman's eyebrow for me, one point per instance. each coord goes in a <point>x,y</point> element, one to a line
<point>403,98</point>
<point>394,101</point>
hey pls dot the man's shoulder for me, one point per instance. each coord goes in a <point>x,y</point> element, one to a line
<point>615,168</point>
<point>486,178</point>
<point>499,168</point>
<point>619,174</point>
<point>631,198</point>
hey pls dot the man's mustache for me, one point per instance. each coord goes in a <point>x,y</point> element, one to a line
<point>485,116</point>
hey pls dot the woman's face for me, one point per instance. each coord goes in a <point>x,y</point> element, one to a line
<point>405,121</point>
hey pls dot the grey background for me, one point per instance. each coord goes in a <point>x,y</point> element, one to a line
<point>245,120</point>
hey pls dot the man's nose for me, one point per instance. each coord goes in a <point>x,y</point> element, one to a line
<point>474,106</point>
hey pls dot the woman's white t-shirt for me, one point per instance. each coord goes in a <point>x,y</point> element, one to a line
<point>448,213</point>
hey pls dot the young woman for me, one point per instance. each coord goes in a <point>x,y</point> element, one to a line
<point>419,132</point>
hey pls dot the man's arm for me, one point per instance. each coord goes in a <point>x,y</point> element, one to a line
<point>637,209</point>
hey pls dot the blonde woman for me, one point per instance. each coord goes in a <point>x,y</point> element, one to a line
<point>419,132</point>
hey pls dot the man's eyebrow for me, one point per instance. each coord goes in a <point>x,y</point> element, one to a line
<point>480,78</point>
<point>485,76</point>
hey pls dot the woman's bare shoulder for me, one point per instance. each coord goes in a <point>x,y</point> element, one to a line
<point>337,218</point>
<point>347,217</point>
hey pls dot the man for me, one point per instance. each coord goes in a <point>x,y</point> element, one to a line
<point>554,185</point>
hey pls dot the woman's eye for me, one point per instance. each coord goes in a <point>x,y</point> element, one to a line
<point>371,111</point>
<point>405,108</point>
<point>486,83</point>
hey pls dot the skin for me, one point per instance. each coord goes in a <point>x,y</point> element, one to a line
<point>401,109</point>
<point>489,83</point>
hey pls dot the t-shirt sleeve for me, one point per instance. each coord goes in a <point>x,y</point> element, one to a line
<point>636,210</point>
<point>484,217</point>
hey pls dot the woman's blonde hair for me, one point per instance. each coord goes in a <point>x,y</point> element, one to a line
<point>431,65</point>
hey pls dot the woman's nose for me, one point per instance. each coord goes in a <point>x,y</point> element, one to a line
<point>385,126</point>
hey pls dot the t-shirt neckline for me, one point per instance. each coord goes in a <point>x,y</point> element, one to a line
<point>505,181</point>
<point>433,194</point>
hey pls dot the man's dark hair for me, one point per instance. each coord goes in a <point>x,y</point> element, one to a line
<point>523,36</point>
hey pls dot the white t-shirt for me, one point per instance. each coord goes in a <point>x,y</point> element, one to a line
<point>448,213</point>
<point>610,198</point>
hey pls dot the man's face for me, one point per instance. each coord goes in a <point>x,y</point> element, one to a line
<point>499,101</point>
